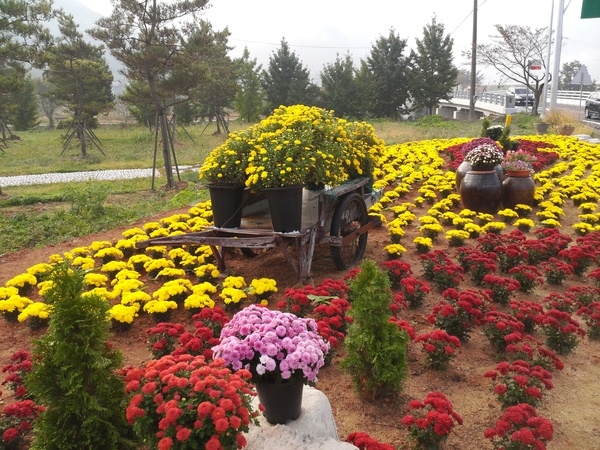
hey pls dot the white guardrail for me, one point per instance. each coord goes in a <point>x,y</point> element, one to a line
<point>503,102</point>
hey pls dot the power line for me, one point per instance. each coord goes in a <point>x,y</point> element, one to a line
<point>468,15</point>
<point>301,46</point>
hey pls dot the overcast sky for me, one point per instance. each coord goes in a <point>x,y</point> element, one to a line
<point>318,30</point>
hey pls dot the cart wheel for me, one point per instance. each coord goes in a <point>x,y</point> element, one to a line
<point>349,215</point>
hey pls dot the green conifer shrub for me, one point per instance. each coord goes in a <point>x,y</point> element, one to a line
<point>376,348</point>
<point>74,373</point>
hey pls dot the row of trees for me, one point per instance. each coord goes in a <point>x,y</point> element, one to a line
<point>178,69</point>
<point>75,72</point>
<point>177,66</point>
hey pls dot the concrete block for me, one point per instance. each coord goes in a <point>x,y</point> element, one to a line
<point>314,430</point>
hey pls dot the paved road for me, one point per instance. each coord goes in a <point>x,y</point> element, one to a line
<point>593,123</point>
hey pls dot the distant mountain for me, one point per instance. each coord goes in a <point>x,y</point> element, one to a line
<point>84,16</point>
<point>86,19</point>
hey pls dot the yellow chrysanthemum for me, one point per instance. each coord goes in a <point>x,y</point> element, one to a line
<point>159,306</point>
<point>196,301</point>
<point>129,298</point>
<point>234,282</point>
<point>123,313</point>
<point>22,280</point>
<point>14,303</point>
<point>262,286</point>
<point>36,309</point>
<point>231,295</point>
<point>95,279</point>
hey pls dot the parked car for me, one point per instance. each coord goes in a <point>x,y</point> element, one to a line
<point>592,105</point>
<point>522,97</point>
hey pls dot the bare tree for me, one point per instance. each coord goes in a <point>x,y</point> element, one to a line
<point>512,53</point>
<point>122,110</point>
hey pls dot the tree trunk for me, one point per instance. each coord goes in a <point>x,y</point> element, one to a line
<point>163,124</point>
<point>164,133</point>
<point>82,139</point>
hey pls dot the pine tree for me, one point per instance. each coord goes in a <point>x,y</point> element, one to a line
<point>47,100</point>
<point>212,70</point>
<point>80,77</point>
<point>433,74</point>
<point>23,38</point>
<point>339,88</point>
<point>365,86</point>
<point>389,68</point>
<point>151,40</point>
<point>248,100</point>
<point>74,373</point>
<point>375,347</point>
<point>26,115</point>
<point>286,81</point>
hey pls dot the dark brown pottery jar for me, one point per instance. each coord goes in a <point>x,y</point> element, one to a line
<point>518,188</point>
<point>481,191</point>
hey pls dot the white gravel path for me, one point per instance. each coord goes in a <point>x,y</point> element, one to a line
<point>48,178</point>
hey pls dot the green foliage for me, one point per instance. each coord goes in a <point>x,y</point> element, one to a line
<point>22,38</point>
<point>248,100</point>
<point>47,100</point>
<point>431,121</point>
<point>339,88</point>
<point>376,348</point>
<point>163,49</point>
<point>523,123</point>
<point>137,98</point>
<point>568,71</point>
<point>127,202</point>
<point>74,373</point>
<point>286,82</point>
<point>485,124</point>
<point>87,200</point>
<point>80,78</point>
<point>216,88</point>
<point>506,142</point>
<point>432,74</point>
<point>186,112</point>
<point>365,86</point>
<point>26,115</point>
<point>389,68</point>
<point>188,196</point>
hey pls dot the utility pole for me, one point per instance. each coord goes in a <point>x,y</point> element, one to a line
<point>547,71</point>
<point>557,48</point>
<point>473,64</point>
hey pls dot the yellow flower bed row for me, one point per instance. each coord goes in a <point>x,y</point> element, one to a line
<point>115,269</point>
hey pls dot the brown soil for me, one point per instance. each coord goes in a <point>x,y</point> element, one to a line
<point>573,405</point>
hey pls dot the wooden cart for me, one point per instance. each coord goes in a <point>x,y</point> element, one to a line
<point>340,221</point>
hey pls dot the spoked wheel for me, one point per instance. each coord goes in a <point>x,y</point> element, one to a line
<point>349,216</point>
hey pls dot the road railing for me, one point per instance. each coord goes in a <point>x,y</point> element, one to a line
<point>507,100</point>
